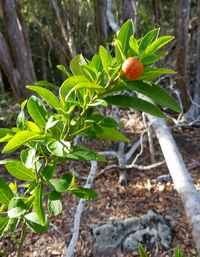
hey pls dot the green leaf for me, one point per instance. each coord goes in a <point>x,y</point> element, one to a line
<point>83,153</point>
<point>84,193</point>
<point>157,44</point>
<point>28,157</point>
<point>124,34</point>
<point>54,203</point>
<point>96,62</point>
<point>5,192</point>
<point>106,58</point>
<point>37,203</point>
<point>21,120</point>
<point>141,251</point>
<point>135,103</point>
<point>106,133</point>
<point>35,224</point>
<point>154,92</point>
<point>120,57</point>
<point>19,171</point>
<point>49,170</point>
<point>5,131</point>
<point>69,83</point>
<point>3,224</point>
<point>102,120</point>
<point>178,252</point>
<point>76,63</point>
<point>133,43</point>
<point>19,139</point>
<point>152,73</point>
<point>150,59</point>
<point>37,111</point>
<point>61,184</point>
<point>52,121</point>
<point>62,68</point>
<point>147,39</point>
<point>47,95</point>
<point>16,208</point>
<point>59,148</point>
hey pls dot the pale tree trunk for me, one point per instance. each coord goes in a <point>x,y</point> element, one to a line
<point>182,19</point>
<point>18,66</point>
<point>129,11</point>
<point>181,178</point>
<point>110,16</point>
<point>194,112</point>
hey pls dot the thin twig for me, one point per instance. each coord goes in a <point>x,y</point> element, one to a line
<point>79,210</point>
<point>22,238</point>
<point>143,167</point>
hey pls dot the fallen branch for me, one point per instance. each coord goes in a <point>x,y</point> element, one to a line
<point>181,178</point>
<point>79,210</point>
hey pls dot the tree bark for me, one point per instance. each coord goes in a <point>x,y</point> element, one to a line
<point>129,11</point>
<point>15,46</point>
<point>8,68</point>
<point>66,33</point>
<point>194,111</point>
<point>180,175</point>
<point>101,21</point>
<point>157,11</point>
<point>182,18</point>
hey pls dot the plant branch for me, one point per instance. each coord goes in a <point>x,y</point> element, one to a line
<point>79,210</point>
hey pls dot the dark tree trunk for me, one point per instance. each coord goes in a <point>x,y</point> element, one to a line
<point>8,68</point>
<point>129,11</point>
<point>15,57</point>
<point>194,111</point>
<point>182,18</point>
<point>65,27</point>
<point>157,9</point>
<point>101,20</point>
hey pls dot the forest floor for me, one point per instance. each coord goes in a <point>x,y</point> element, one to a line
<point>116,202</point>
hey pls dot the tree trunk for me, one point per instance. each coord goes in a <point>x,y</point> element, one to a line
<point>17,49</point>
<point>181,177</point>
<point>129,11</point>
<point>157,11</point>
<point>8,68</point>
<point>66,33</point>
<point>194,112</point>
<point>182,18</point>
<point>101,20</point>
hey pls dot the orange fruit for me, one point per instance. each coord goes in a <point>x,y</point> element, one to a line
<point>132,68</point>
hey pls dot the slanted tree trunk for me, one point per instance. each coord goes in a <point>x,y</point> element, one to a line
<point>180,175</point>
<point>15,57</point>
<point>182,19</point>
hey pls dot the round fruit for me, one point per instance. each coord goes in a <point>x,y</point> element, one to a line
<point>132,68</point>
